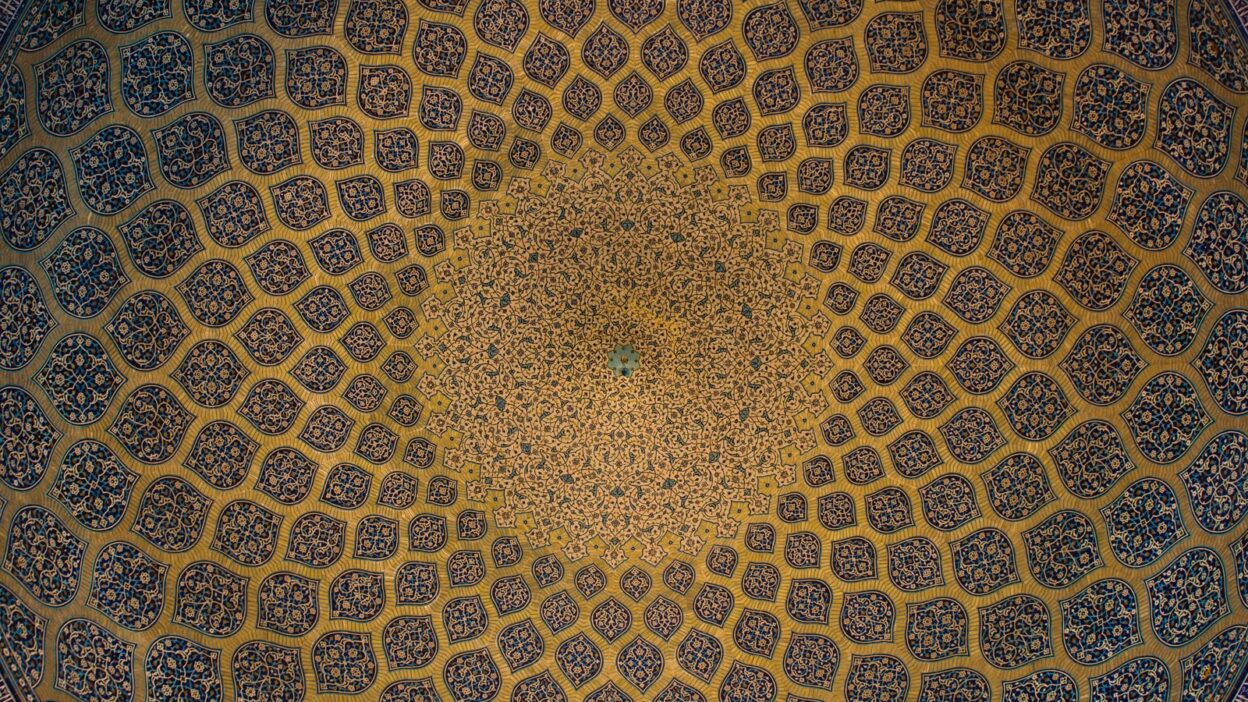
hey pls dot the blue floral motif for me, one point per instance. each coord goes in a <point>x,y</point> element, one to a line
<point>157,74</point>
<point>80,378</point>
<point>94,485</point>
<point>73,88</point>
<point>94,664</point>
<point>34,200</point>
<point>25,320</point>
<point>128,586</point>
<point>85,271</point>
<point>112,169</point>
<point>1100,622</point>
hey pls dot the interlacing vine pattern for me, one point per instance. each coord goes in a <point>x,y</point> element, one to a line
<point>624,350</point>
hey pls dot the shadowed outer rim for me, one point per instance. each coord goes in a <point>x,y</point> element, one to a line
<point>15,20</point>
<point>1239,690</point>
<point>1238,11</point>
<point>14,687</point>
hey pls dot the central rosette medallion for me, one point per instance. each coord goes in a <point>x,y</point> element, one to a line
<point>680,267</point>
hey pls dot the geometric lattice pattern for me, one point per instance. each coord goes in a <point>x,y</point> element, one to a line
<point>624,350</point>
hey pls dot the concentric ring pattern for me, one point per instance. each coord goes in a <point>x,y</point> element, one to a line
<point>624,350</point>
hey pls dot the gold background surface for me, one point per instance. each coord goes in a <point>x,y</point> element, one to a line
<point>726,526</point>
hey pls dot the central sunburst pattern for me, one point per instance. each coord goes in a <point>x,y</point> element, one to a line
<point>676,267</point>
